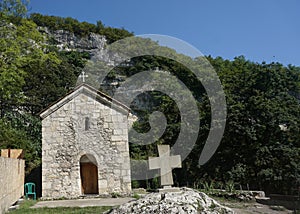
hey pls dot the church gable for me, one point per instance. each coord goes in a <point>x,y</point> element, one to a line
<point>93,94</point>
<point>85,134</point>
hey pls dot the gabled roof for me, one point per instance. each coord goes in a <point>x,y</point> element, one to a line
<point>89,91</point>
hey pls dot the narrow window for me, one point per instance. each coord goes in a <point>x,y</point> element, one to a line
<point>87,123</point>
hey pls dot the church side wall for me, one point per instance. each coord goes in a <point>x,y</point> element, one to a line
<point>66,138</point>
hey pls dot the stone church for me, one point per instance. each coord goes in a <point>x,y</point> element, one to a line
<point>85,145</point>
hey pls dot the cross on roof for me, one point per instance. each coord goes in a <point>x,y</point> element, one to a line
<point>83,76</point>
<point>165,163</point>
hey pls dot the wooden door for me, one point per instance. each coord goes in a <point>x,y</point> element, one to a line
<point>89,178</point>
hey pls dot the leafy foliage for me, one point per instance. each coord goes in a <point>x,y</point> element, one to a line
<point>14,8</point>
<point>79,28</point>
<point>32,75</point>
<point>22,131</point>
<point>255,150</point>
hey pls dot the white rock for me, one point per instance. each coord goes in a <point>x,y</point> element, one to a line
<point>185,201</point>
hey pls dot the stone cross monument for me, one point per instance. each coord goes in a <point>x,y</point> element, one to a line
<point>165,163</point>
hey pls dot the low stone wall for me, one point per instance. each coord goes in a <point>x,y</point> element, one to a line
<point>12,181</point>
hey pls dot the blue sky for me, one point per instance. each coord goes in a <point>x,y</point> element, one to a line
<point>261,30</point>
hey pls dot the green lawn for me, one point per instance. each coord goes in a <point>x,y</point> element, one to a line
<point>25,209</point>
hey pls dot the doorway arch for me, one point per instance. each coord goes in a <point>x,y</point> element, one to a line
<point>89,174</point>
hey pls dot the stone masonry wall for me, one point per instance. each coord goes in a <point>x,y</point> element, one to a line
<point>66,140</point>
<point>12,181</point>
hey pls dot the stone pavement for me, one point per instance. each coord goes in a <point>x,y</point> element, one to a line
<point>83,202</point>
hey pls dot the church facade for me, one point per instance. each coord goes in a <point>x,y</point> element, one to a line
<point>85,146</point>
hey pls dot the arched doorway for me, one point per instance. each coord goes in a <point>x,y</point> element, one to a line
<point>89,174</point>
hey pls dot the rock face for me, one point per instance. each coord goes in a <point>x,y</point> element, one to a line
<point>185,201</point>
<point>67,41</point>
<point>94,44</point>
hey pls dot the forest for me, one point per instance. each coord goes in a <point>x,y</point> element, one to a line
<point>260,148</point>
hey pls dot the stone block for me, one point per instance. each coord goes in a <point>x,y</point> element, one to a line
<point>169,189</point>
<point>117,138</point>
<point>126,165</point>
<point>118,132</point>
<point>108,118</point>
<point>125,131</point>
<point>126,179</point>
<point>47,185</point>
<point>112,112</point>
<point>121,145</point>
<point>124,172</point>
<point>115,118</point>
<point>117,172</point>
<point>47,158</point>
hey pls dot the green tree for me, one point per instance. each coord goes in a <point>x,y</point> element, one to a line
<point>15,8</point>
<point>260,98</point>
<point>22,131</point>
<point>17,43</point>
<point>32,75</point>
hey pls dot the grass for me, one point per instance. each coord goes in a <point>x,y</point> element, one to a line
<point>115,195</point>
<point>25,209</point>
<point>136,196</point>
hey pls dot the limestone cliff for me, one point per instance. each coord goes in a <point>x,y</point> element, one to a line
<point>94,44</point>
